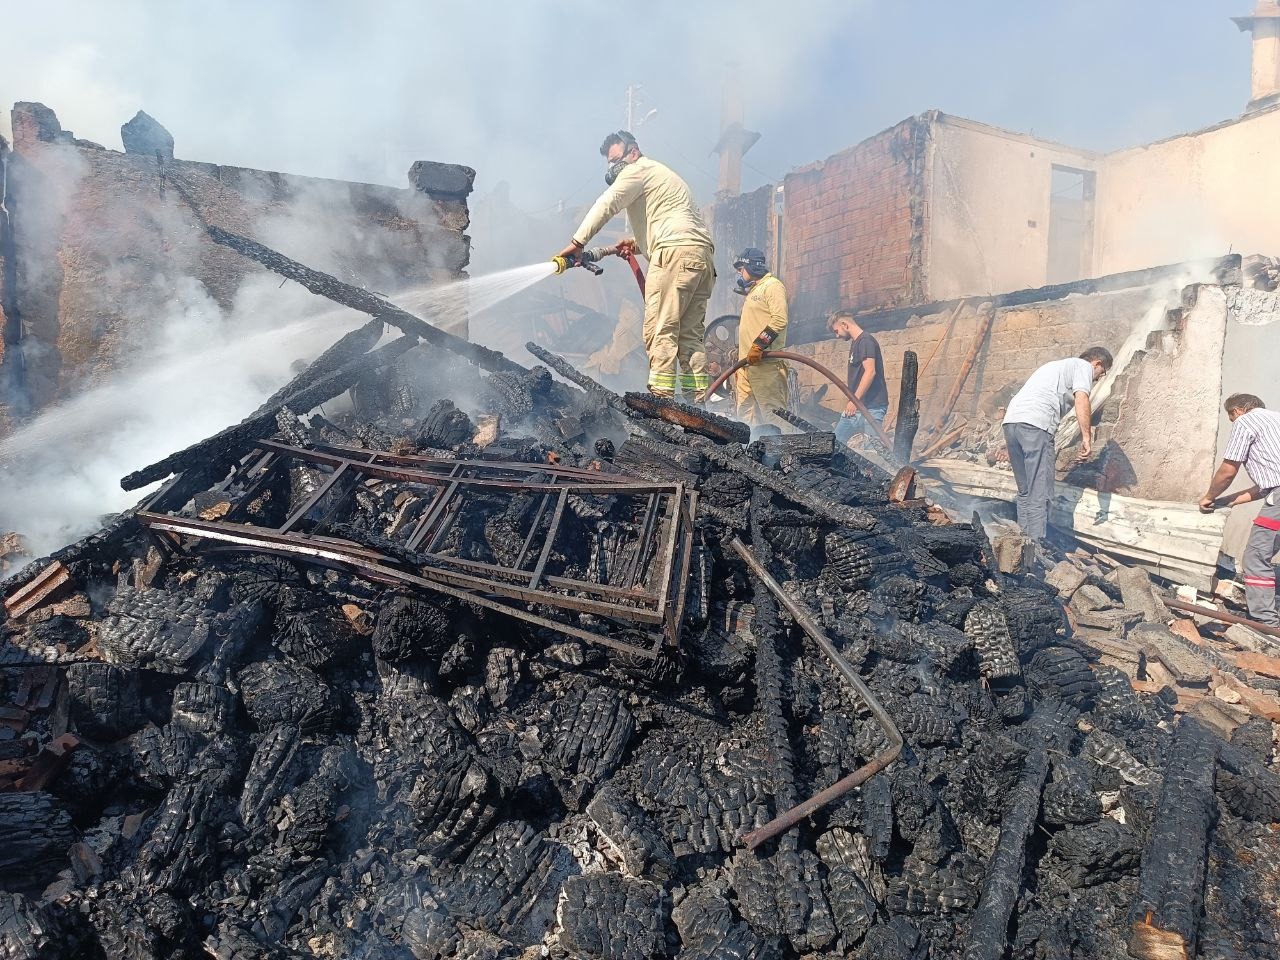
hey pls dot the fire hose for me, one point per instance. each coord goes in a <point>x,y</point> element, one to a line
<point>808,362</point>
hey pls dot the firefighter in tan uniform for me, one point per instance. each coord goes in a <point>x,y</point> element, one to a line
<point>670,232</point>
<point>762,385</point>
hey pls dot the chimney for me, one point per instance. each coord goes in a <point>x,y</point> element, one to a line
<point>1264,24</point>
<point>735,139</point>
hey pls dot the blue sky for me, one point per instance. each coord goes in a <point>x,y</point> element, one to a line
<point>524,91</point>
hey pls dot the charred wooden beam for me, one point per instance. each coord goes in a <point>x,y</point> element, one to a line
<point>346,348</point>
<point>908,409</point>
<point>226,446</point>
<point>893,749</point>
<point>989,929</point>
<point>839,513</point>
<point>1166,912</point>
<point>333,289</point>
<point>691,418</point>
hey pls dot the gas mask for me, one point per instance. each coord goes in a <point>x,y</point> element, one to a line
<point>743,287</point>
<point>612,171</point>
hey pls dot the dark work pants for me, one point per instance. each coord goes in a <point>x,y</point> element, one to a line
<point>1259,571</point>
<point>1033,460</point>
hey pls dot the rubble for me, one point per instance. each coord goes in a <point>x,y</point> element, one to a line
<point>144,134</point>
<point>359,686</point>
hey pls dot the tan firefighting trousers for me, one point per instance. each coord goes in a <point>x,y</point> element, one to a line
<point>677,289</point>
<point>759,390</point>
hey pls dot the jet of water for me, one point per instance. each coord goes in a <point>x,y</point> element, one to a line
<point>60,472</point>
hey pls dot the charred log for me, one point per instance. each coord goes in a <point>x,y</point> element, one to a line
<point>1166,911</point>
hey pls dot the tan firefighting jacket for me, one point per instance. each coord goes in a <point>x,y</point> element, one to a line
<point>658,204</point>
<point>766,306</point>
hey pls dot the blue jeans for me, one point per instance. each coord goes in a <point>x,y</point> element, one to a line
<point>849,427</point>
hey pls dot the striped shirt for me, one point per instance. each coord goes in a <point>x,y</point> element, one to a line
<point>1255,442</point>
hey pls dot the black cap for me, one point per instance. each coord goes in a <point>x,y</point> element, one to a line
<point>753,259</point>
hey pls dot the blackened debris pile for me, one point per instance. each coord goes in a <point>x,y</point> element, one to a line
<point>301,725</point>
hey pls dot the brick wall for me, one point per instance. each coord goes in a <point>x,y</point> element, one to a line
<point>1021,338</point>
<point>853,226</point>
<point>104,243</point>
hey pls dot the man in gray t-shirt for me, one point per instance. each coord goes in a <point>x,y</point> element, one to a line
<point>1029,424</point>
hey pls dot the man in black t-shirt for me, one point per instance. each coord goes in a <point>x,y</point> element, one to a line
<point>866,377</point>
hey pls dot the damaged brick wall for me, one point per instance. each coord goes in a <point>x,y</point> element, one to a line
<point>1021,338</point>
<point>854,226</point>
<point>105,246</point>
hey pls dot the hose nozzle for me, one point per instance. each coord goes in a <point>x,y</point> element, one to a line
<point>586,259</point>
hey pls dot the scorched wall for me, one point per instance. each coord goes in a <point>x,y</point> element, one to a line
<point>853,225</point>
<point>106,248</point>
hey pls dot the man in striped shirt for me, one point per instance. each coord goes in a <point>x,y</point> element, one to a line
<point>1255,445</point>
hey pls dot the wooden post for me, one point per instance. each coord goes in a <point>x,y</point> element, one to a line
<point>939,419</point>
<point>908,409</point>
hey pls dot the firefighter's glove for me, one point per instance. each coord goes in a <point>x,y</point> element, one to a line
<point>760,344</point>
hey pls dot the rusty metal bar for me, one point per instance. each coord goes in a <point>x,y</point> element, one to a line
<point>411,475</point>
<point>315,498</point>
<point>669,555</point>
<point>533,529</point>
<point>586,586</point>
<point>789,818</point>
<point>549,539</point>
<point>452,512</point>
<point>429,515</point>
<point>265,469</point>
<point>1221,616</point>
<point>662,552</point>
<point>681,583</point>
<point>646,529</point>
<point>354,555</point>
<point>383,458</point>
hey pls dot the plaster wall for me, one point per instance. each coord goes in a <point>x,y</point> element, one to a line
<point>1250,353</point>
<point>988,211</point>
<point>1192,196</point>
<point>1166,422</point>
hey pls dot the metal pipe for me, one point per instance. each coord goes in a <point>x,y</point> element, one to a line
<point>809,362</point>
<point>1222,616</point>
<point>789,818</point>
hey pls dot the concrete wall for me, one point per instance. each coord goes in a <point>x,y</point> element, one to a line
<point>106,248</point>
<point>853,225</point>
<point>988,214</point>
<point>1191,196</point>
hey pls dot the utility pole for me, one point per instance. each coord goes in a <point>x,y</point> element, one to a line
<point>634,106</point>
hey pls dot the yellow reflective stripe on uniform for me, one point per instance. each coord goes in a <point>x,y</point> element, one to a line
<point>666,381</point>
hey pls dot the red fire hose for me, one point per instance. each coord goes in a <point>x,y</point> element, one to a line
<point>797,358</point>
<point>636,272</point>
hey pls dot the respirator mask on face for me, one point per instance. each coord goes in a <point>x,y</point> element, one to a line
<point>744,286</point>
<point>612,171</point>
